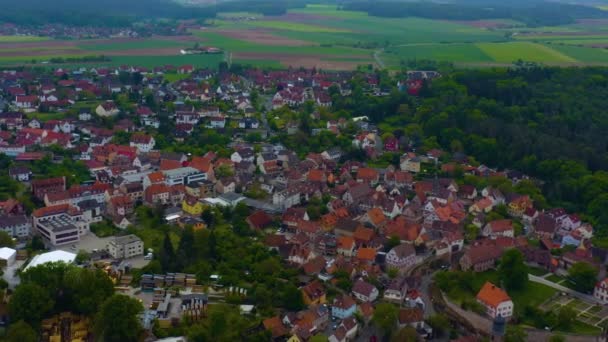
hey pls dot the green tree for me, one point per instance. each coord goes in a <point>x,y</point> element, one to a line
<point>583,276</point>
<point>407,334</point>
<point>440,324</point>
<point>166,255</point>
<point>6,240</point>
<point>385,317</point>
<point>87,289</point>
<point>515,333</point>
<point>22,332</point>
<point>30,303</point>
<point>117,320</point>
<point>565,317</point>
<point>512,271</point>
<point>292,298</point>
<point>557,338</point>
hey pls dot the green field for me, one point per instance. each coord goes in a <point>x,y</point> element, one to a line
<point>21,39</point>
<point>326,36</point>
<point>136,45</point>
<point>509,52</point>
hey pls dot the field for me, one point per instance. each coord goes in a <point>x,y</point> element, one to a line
<point>325,37</point>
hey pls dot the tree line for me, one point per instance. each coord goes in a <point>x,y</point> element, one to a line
<point>532,13</point>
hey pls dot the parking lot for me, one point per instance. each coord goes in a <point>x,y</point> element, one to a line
<point>88,243</point>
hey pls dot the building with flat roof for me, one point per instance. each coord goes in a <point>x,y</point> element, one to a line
<point>58,230</point>
<point>7,256</point>
<point>124,247</point>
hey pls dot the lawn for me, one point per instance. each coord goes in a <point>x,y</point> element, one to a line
<point>175,77</point>
<point>201,61</point>
<point>579,327</point>
<point>531,52</point>
<point>46,116</point>
<point>537,271</point>
<point>554,278</point>
<point>22,39</point>
<point>534,295</point>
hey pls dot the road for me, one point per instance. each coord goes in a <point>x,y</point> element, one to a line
<point>379,60</point>
<point>564,289</point>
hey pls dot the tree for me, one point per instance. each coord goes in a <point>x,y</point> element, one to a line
<point>566,317</point>
<point>86,289</point>
<point>166,255</point>
<point>583,276</point>
<point>6,240</point>
<point>22,332</point>
<point>292,298</point>
<point>512,271</point>
<point>557,338</point>
<point>117,320</point>
<point>439,323</point>
<point>30,303</point>
<point>385,317</point>
<point>82,257</point>
<point>515,334</point>
<point>407,334</point>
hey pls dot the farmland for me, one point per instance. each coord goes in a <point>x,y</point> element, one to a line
<point>325,37</point>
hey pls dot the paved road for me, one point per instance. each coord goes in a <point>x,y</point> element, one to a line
<point>564,289</point>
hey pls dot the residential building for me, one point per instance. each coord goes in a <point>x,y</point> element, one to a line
<point>343,307</point>
<point>496,301</point>
<point>17,226</point>
<point>600,292</point>
<point>401,257</point>
<point>125,247</point>
<point>480,258</point>
<point>364,291</point>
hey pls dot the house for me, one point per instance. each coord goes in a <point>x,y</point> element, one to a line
<point>314,293</point>
<point>157,194</point>
<point>41,187</point>
<point>364,291</point>
<point>498,228</point>
<point>125,247</point>
<point>343,307</point>
<point>20,173</point>
<point>411,317</point>
<point>107,109</point>
<point>143,142</point>
<point>496,301</point>
<point>192,206</point>
<point>259,220</point>
<point>410,163</point>
<point>396,290</point>
<point>17,226</point>
<point>600,292</point>
<point>216,122</point>
<point>518,206</point>
<point>368,176</point>
<point>26,101</point>
<point>121,206</point>
<point>346,246</point>
<point>480,258</point>
<point>401,257</point>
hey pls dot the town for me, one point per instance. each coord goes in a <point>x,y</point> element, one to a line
<point>241,202</point>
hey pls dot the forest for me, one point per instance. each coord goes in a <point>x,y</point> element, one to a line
<point>532,13</point>
<point>117,13</point>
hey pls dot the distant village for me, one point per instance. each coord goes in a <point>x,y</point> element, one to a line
<point>375,226</point>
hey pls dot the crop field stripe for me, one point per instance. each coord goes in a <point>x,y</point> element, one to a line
<point>291,26</point>
<point>22,39</point>
<point>583,54</point>
<point>512,51</point>
<point>442,52</point>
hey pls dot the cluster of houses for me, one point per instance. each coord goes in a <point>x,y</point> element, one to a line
<point>368,226</point>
